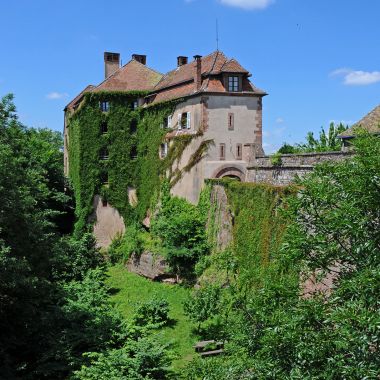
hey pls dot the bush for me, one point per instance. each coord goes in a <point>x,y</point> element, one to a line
<point>276,159</point>
<point>152,312</point>
<point>144,359</point>
<point>123,246</point>
<point>204,303</point>
<point>180,226</point>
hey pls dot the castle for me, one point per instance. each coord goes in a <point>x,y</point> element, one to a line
<point>201,120</point>
<point>218,102</point>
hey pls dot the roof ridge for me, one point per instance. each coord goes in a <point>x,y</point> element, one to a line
<point>122,67</point>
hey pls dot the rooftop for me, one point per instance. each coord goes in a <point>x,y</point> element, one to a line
<point>370,123</point>
<point>176,83</point>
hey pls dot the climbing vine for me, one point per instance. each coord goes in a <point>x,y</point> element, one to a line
<point>259,225</point>
<point>115,151</point>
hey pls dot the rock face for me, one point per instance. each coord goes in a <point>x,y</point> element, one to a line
<point>149,265</point>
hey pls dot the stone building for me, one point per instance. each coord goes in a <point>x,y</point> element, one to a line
<point>219,105</point>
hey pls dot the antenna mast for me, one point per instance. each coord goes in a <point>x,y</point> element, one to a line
<point>217,35</point>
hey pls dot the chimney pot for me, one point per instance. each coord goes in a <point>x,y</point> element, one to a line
<point>198,72</point>
<point>182,60</point>
<point>139,58</point>
<point>111,63</point>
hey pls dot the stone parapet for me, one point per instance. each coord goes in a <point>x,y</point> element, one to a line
<point>289,166</point>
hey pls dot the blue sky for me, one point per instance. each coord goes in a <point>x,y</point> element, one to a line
<point>318,60</point>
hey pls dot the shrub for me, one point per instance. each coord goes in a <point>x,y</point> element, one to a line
<point>123,246</point>
<point>180,226</point>
<point>276,159</point>
<point>152,312</point>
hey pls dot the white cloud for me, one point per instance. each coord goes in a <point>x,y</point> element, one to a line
<point>56,95</point>
<point>279,120</point>
<point>357,77</point>
<point>248,4</point>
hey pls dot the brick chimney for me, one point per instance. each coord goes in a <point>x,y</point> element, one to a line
<point>181,60</point>
<point>111,63</point>
<point>139,58</point>
<point>198,72</point>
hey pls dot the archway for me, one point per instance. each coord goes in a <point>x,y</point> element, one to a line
<point>230,172</point>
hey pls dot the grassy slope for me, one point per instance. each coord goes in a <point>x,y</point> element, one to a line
<point>132,289</point>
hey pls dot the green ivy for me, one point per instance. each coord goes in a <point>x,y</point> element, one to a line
<point>130,132</point>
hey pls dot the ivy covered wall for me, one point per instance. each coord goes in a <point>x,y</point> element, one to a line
<point>110,152</point>
<point>256,225</point>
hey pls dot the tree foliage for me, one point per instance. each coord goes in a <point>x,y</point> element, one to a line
<point>54,305</point>
<point>275,332</point>
<point>327,141</point>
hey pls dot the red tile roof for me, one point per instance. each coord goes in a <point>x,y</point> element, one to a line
<point>79,96</point>
<point>180,82</point>
<point>132,76</point>
<point>176,83</point>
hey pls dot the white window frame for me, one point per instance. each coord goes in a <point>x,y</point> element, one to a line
<point>169,121</point>
<point>188,120</point>
<point>179,121</point>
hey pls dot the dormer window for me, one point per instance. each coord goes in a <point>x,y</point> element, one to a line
<point>233,83</point>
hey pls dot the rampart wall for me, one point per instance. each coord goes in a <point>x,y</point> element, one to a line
<point>262,169</point>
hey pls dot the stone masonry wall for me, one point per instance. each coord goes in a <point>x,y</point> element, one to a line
<point>262,170</point>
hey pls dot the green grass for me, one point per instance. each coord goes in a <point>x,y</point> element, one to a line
<point>132,289</point>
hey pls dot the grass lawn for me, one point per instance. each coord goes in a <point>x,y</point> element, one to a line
<point>132,289</point>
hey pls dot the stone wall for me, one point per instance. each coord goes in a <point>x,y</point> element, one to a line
<point>262,170</point>
<point>108,223</point>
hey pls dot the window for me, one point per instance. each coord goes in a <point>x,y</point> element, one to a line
<point>168,122</point>
<point>163,150</point>
<point>103,154</point>
<point>238,151</point>
<point>104,106</point>
<point>233,83</point>
<point>222,151</point>
<point>132,104</point>
<point>133,126</point>
<point>104,178</point>
<point>104,202</point>
<point>231,121</point>
<point>133,153</point>
<point>103,127</point>
<point>184,120</point>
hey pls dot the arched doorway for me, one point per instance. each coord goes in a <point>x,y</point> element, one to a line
<point>230,172</point>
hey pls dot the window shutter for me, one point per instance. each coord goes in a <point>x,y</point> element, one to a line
<point>169,121</point>
<point>188,120</point>
<point>179,121</point>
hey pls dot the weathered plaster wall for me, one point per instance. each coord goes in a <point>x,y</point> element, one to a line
<point>262,170</point>
<point>108,223</point>
<point>210,113</point>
